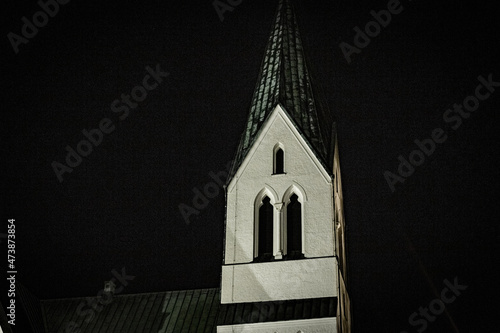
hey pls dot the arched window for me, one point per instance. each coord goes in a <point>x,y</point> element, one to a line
<point>294,228</point>
<point>279,160</point>
<point>265,224</point>
<point>340,247</point>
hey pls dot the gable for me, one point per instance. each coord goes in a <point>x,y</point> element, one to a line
<point>280,128</point>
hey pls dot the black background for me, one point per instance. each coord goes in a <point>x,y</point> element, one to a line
<point>119,208</point>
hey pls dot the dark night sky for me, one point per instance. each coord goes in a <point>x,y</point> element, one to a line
<point>119,208</point>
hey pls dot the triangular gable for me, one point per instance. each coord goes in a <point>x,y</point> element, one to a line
<point>279,111</point>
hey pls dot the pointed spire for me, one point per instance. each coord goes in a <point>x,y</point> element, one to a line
<point>284,79</point>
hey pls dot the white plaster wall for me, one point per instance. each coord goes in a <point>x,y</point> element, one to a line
<point>319,325</point>
<point>279,280</point>
<point>302,169</point>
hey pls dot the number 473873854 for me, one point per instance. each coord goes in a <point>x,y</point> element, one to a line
<point>11,244</point>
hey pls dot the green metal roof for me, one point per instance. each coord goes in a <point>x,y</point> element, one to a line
<point>163,312</point>
<point>181,311</point>
<point>284,79</point>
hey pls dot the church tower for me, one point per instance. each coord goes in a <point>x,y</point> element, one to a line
<point>284,266</point>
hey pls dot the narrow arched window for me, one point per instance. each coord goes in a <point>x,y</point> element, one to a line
<point>265,241</point>
<point>340,247</point>
<point>294,228</point>
<point>279,161</point>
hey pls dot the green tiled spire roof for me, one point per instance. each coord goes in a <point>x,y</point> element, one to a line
<point>284,79</point>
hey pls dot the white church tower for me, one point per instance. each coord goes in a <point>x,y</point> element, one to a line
<point>284,266</point>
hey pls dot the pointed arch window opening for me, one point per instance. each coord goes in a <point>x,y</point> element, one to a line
<point>264,226</point>
<point>340,247</point>
<point>278,160</point>
<point>293,228</point>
